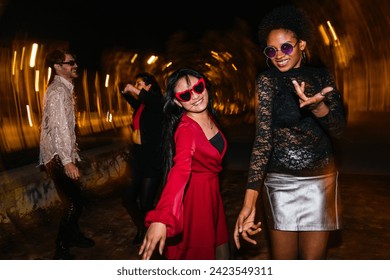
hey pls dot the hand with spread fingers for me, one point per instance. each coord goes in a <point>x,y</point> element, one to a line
<point>313,100</point>
<point>314,103</point>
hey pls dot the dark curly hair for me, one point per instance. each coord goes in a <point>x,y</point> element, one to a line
<point>287,17</point>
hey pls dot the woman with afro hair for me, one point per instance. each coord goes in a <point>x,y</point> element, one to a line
<point>299,112</point>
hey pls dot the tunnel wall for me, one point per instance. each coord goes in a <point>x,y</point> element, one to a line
<point>28,188</point>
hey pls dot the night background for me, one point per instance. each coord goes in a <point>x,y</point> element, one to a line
<point>114,40</point>
<point>92,26</point>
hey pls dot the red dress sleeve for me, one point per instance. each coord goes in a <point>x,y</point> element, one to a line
<point>169,209</point>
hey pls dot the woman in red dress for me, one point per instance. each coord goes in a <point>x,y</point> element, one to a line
<point>189,220</point>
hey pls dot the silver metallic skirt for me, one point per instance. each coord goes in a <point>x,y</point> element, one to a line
<point>303,203</point>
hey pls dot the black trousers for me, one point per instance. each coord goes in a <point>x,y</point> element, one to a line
<point>73,202</point>
<point>139,196</point>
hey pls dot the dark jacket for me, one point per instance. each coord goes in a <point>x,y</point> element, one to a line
<point>150,123</point>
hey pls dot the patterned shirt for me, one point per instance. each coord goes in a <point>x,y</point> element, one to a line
<point>58,135</point>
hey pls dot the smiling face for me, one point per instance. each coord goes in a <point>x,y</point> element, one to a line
<point>198,98</point>
<point>67,69</point>
<point>283,60</point>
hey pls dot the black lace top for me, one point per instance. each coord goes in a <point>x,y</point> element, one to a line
<point>289,139</point>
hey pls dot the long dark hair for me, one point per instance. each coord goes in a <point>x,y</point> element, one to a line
<point>174,113</point>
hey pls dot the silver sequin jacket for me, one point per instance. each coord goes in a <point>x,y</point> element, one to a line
<point>58,136</point>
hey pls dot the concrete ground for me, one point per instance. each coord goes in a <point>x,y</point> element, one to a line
<point>365,191</point>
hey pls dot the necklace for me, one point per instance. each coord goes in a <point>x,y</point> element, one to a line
<point>211,124</point>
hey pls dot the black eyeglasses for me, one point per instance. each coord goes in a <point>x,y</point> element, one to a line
<point>70,62</point>
<point>185,96</point>
<point>286,48</point>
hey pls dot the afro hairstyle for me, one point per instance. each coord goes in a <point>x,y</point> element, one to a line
<point>287,17</point>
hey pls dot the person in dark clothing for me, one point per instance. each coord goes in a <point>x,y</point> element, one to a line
<point>146,98</point>
<point>59,150</point>
<point>299,112</point>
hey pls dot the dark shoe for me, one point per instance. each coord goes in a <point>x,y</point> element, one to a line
<point>81,241</point>
<point>139,237</point>
<point>62,253</point>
